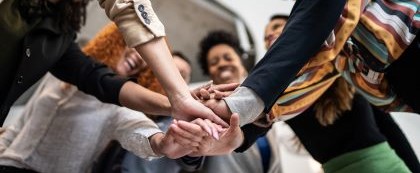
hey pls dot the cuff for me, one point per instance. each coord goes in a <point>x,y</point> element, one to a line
<point>139,143</point>
<point>135,19</point>
<point>246,103</point>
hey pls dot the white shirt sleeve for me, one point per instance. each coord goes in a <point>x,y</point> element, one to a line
<point>133,130</point>
<point>246,103</point>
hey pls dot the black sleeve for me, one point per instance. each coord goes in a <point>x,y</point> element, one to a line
<point>89,76</point>
<point>191,164</point>
<point>309,24</point>
<point>251,133</point>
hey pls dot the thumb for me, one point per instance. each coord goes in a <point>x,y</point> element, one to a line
<point>224,87</point>
<point>234,120</point>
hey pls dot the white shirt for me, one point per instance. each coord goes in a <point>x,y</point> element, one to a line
<point>64,130</point>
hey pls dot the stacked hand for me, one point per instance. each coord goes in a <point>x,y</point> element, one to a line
<point>192,134</point>
<point>212,98</point>
<point>189,108</point>
<point>207,134</point>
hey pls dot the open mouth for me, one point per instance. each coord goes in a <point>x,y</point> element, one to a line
<point>227,73</point>
<point>130,63</point>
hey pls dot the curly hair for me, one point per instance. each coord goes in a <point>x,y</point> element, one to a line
<point>108,47</point>
<point>69,14</point>
<point>215,38</point>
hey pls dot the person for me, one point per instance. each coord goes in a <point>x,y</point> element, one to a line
<point>25,60</point>
<point>378,61</point>
<point>62,129</point>
<point>385,123</point>
<point>366,141</point>
<point>131,163</point>
<point>220,58</point>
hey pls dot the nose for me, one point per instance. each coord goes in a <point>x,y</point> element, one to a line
<point>222,63</point>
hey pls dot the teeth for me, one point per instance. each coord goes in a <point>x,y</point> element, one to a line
<point>131,63</point>
<point>226,74</point>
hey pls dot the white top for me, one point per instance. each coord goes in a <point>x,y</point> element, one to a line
<point>64,130</point>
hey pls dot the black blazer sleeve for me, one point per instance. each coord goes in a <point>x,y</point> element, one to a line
<point>251,133</point>
<point>89,76</point>
<point>309,24</point>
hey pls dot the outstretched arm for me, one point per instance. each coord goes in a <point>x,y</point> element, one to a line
<point>309,24</point>
<point>143,30</point>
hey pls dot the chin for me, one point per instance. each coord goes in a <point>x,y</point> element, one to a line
<point>229,81</point>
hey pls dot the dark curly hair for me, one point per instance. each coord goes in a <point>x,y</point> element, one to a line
<point>69,14</point>
<point>215,38</point>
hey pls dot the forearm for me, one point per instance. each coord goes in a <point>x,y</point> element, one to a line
<point>159,58</point>
<point>302,38</point>
<point>139,98</point>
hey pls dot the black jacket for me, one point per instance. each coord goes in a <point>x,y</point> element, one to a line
<point>46,48</point>
<point>308,26</point>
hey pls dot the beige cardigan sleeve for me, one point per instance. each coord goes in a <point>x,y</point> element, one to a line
<point>135,19</point>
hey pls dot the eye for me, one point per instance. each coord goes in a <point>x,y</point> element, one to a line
<point>227,57</point>
<point>276,26</point>
<point>213,61</point>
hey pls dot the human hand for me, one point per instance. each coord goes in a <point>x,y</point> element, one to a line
<point>165,144</point>
<point>179,142</point>
<point>189,109</point>
<point>209,91</point>
<point>219,107</point>
<point>230,139</point>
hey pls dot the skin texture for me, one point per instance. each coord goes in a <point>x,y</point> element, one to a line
<point>130,64</point>
<point>273,31</point>
<point>225,65</point>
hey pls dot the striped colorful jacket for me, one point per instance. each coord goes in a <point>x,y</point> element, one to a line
<point>382,30</point>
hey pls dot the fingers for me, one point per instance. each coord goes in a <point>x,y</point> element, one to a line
<point>191,130</point>
<point>206,125</point>
<point>182,137</point>
<point>209,114</point>
<point>220,95</point>
<point>207,85</point>
<point>205,95</point>
<point>234,121</point>
<point>224,87</point>
<point>196,92</point>
<point>213,128</point>
<point>216,119</point>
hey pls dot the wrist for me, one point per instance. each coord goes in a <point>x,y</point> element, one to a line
<point>156,143</point>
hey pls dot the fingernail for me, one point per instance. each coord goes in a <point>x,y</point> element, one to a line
<point>216,136</point>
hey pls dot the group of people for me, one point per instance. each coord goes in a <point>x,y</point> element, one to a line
<point>332,72</point>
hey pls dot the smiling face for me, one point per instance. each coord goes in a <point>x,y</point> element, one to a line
<point>225,65</point>
<point>130,64</point>
<point>273,31</point>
